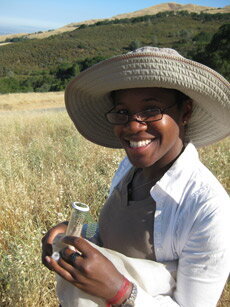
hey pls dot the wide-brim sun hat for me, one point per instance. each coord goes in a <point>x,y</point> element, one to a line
<point>87,96</point>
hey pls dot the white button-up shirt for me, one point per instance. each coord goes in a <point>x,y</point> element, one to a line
<point>192,225</point>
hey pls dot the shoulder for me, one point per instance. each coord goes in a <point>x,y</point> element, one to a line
<point>204,195</point>
<point>204,212</point>
<point>190,180</point>
<point>204,188</point>
<point>190,200</point>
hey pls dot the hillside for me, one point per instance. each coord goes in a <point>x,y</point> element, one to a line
<point>152,10</point>
<point>173,6</point>
<point>48,64</point>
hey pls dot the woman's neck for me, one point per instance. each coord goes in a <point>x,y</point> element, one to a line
<point>158,169</point>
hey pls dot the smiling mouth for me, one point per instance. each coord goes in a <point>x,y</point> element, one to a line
<point>134,144</point>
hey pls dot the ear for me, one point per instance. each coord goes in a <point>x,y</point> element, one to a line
<point>187,111</point>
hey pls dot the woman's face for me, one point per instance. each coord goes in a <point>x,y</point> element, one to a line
<point>158,142</point>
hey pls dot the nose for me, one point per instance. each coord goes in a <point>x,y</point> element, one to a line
<point>135,126</point>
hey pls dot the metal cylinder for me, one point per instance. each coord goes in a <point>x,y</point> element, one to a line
<point>77,218</point>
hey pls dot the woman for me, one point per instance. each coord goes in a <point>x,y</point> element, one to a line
<point>165,205</point>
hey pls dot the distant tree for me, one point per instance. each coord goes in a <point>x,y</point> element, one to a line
<point>217,53</point>
<point>134,45</point>
<point>185,34</point>
<point>88,62</point>
<point>16,39</point>
<point>9,85</point>
<point>83,26</point>
<point>220,42</point>
<point>37,83</point>
<point>183,13</point>
<point>56,86</point>
<point>67,71</point>
<point>202,37</point>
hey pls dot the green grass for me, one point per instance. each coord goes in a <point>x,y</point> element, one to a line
<point>44,166</point>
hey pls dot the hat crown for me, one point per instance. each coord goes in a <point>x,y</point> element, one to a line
<point>161,51</point>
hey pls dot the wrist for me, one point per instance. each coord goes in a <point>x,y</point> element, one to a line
<point>122,294</point>
<point>125,296</point>
<point>130,301</point>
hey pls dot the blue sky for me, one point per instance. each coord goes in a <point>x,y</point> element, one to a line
<point>34,15</point>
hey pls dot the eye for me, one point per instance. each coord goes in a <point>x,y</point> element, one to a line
<point>122,111</point>
<point>150,112</point>
<point>155,110</point>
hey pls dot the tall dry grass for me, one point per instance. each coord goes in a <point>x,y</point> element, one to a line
<point>44,166</point>
<point>31,101</point>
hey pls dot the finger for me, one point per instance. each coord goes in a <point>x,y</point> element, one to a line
<point>82,245</point>
<point>47,249</point>
<point>44,259</point>
<point>60,270</point>
<point>73,258</point>
<point>53,232</point>
<point>77,275</point>
<point>69,256</point>
<point>47,241</point>
<point>68,272</point>
<point>72,262</point>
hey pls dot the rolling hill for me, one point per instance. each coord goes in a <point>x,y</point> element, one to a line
<point>47,64</point>
<point>152,10</point>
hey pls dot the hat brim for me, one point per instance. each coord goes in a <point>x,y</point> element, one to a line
<point>87,96</point>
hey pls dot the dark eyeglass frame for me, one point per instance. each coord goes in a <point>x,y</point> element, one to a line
<point>129,117</point>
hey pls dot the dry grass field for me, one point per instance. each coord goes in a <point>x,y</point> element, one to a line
<point>31,101</point>
<point>44,166</point>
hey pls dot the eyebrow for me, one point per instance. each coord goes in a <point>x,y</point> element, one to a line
<point>151,99</point>
<point>117,103</point>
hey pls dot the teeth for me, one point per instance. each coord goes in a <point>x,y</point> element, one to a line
<point>139,143</point>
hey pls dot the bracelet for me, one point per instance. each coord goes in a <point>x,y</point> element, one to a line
<point>131,300</point>
<point>120,293</point>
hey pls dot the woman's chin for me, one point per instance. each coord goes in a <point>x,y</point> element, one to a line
<point>143,157</point>
<point>141,163</point>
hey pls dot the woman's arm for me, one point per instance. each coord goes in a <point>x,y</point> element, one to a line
<point>204,263</point>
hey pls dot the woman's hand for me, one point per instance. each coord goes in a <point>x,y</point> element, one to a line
<point>90,271</point>
<point>47,241</point>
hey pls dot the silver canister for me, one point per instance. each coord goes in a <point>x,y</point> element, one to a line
<point>78,216</point>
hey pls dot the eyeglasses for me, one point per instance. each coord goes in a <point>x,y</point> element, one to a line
<point>122,117</point>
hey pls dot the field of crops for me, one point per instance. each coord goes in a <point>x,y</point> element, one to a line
<point>44,166</point>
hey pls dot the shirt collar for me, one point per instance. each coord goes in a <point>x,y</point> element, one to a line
<point>175,179</point>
